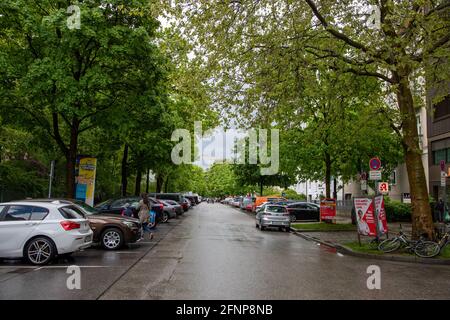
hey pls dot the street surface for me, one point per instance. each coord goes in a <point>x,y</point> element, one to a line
<point>215,252</point>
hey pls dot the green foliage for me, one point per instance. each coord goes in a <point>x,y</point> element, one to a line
<point>293,195</point>
<point>397,211</point>
<point>117,80</point>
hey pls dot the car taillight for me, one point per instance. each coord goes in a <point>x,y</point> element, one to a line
<point>69,225</point>
<point>161,206</point>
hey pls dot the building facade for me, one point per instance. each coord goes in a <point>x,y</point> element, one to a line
<point>438,124</point>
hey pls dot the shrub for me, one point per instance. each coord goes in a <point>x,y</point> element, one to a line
<point>397,211</point>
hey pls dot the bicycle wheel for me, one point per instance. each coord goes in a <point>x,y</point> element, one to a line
<point>389,245</point>
<point>427,249</point>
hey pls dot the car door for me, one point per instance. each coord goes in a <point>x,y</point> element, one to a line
<point>313,212</point>
<point>258,217</point>
<point>307,212</point>
<point>301,211</point>
<point>15,228</point>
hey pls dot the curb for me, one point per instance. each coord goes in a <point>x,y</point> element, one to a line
<point>306,230</point>
<point>310,238</point>
<point>344,250</point>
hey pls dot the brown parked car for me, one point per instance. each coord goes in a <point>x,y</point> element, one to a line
<point>110,230</point>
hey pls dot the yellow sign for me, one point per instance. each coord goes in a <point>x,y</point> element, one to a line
<point>86,179</point>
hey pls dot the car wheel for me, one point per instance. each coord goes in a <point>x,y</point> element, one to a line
<point>112,239</point>
<point>287,229</point>
<point>165,217</point>
<point>293,218</point>
<point>40,251</point>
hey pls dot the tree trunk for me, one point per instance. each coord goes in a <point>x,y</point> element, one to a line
<point>261,185</point>
<point>124,183</point>
<point>166,185</point>
<point>137,186</point>
<point>422,221</point>
<point>147,181</point>
<point>327,175</point>
<point>159,182</point>
<point>71,158</point>
<point>335,188</point>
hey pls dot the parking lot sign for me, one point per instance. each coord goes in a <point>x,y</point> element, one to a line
<point>375,175</point>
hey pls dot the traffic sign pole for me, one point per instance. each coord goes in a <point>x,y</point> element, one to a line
<point>444,185</point>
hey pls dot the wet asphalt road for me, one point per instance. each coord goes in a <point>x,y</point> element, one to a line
<point>215,252</point>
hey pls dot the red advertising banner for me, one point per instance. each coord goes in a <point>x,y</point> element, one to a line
<point>327,209</point>
<point>381,215</point>
<point>365,216</point>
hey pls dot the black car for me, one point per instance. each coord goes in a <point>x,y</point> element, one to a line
<point>117,206</point>
<point>168,196</point>
<point>304,211</point>
<point>193,199</point>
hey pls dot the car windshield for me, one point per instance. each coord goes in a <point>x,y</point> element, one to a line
<point>87,208</point>
<point>276,209</point>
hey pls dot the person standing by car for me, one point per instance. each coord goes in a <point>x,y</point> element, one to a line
<point>144,214</point>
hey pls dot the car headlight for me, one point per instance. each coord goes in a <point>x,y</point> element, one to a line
<point>129,224</point>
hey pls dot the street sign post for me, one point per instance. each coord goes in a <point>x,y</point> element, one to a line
<point>444,181</point>
<point>375,172</point>
<point>52,171</point>
<point>363,185</point>
<point>383,187</point>
<point>375,175</point>
<point>375,164</point>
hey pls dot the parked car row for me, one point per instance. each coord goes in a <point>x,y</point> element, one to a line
<point>295,210</point>
<point>38,230</point>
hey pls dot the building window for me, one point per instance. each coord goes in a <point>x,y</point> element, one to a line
<point>440,151</point>
<point>439,155</point>
<point>393,178</point>
<point>419,131</point>
<point>442,108</point>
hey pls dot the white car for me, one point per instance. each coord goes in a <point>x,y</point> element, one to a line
<point>40,231</point>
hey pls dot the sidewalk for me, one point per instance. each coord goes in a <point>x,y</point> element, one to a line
<point>341,237</point>
<point>340,240</point>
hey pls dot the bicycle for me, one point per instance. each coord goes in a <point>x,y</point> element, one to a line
<point>419,247</point>
<point>432,249</point>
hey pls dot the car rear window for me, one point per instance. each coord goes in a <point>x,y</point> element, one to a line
<point>71,212</point>
<point>276,209</point>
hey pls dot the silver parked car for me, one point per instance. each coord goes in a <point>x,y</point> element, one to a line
<point>273,216</point>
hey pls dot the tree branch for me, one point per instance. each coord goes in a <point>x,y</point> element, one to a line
<point>332,31</point>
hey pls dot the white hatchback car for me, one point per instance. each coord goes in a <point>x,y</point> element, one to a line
<point>40,231</point>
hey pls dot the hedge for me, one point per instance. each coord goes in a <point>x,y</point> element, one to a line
<point>397,211</point>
